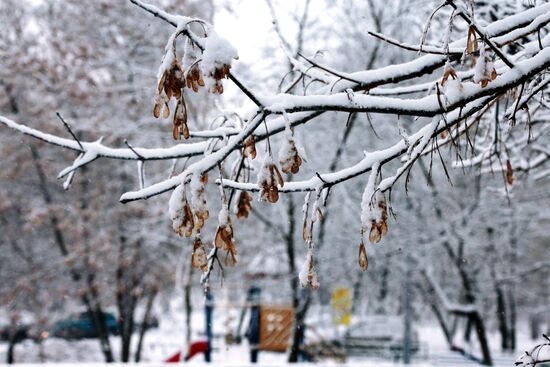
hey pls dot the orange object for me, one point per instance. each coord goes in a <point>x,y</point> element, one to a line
<point>275,327</point>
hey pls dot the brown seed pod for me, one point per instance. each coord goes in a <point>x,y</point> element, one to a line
<point>244,205</point>
<point>183,222</point>
<point>375,235</point>
<point>166,111</point>
<point>308,275</point>
<point>156,110</point>
<point>291,160</point>
<point>269,177</point>
<point>471,44</point>
<point>198,257</point>
<point>363,260</point>
<point>224,237</point>
<point>449,72</point>
<point>180,120</point>
<point>509,173</point>
<point>200,209</point>
<point>379,224</point>
<point>250,147</point>
<point>173,80</point>
<point>194,78</point>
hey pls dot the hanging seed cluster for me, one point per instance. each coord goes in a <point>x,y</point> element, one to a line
<point>374,215</point>
<point>224,237</point>
<point>268,179</point>
<point>174,77</point>
<point>190,218</point>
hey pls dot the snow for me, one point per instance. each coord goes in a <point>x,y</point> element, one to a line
<point>308,274</point>
<point>217,52</point>
<point>369,211</point>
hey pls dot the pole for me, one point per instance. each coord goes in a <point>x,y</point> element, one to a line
<point>408,311</point>
<point>254,294</point>
<point>208,309</point>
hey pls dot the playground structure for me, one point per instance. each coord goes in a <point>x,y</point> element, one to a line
<point>269,328</point>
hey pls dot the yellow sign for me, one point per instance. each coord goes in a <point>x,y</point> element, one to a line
<point>341,305</point>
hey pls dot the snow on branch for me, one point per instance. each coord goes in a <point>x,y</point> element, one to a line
<point>205,62</point>
<point>538,355</point>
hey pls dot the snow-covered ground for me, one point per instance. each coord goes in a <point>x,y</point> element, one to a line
<point>166,340</point>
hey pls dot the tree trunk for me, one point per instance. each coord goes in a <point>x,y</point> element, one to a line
<point>144,324</point>
<point>12,340</point>
<point>502,318</point>
<point>355,301</point>
<point>90,298</point>
<point>126,299</point>
<point>294,281</point>
<point>188,305</point>
<point>298,327</point>
<point>481,334</point>
<point>512,321</point>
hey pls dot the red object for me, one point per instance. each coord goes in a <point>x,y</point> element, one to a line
<point>194,349</point>
<point>174,359</point>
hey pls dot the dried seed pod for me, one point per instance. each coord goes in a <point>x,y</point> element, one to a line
<point>198,199</point>
<point>449,71</point>
<point>374,214</point>
<point>173,80</point>
<point>156,110</point>
<point>194,78</point>
<point>289,158</point>
<point>244,205</point>
<point>180,121</point>
<point>379,225</point>
<point>166,111</point>
<point>308,275</point>
<point>375,234</point>
<point>485,71</point>
<point>182,222</point>
<point>305,212</point>
<point>224,237</point>
<point>268,178</point>
<point>509,173</point>
<point>198,257</point>
<point>250,147</point>
<point>471,44</point>
<point>363,260</point>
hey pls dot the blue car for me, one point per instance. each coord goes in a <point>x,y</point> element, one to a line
<point>81,326</point>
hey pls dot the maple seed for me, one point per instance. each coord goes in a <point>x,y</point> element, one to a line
<point>156,110</point>
<point>375,234</point>
<point>244,205</point>
<point>250,147</point>
<point>180,121</point>
<point>194,79</point>
<point>308,275</point>
<point>269,177</point>
<point>198,257</point>
<point>224,236</point>
<point>379,224</point>
<point>201,212</point>
<point>509,173</point>
<point>471,45</point>
<point>485,70</point>
<point>220,72</point>
<point>363,260</point>
<point>224,239</point>
<point>291,161</point>
<point>183,223</point>
<point>449,72</point>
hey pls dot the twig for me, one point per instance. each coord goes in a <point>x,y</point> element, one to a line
<point>70,130</point>
<point>482,34</point>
